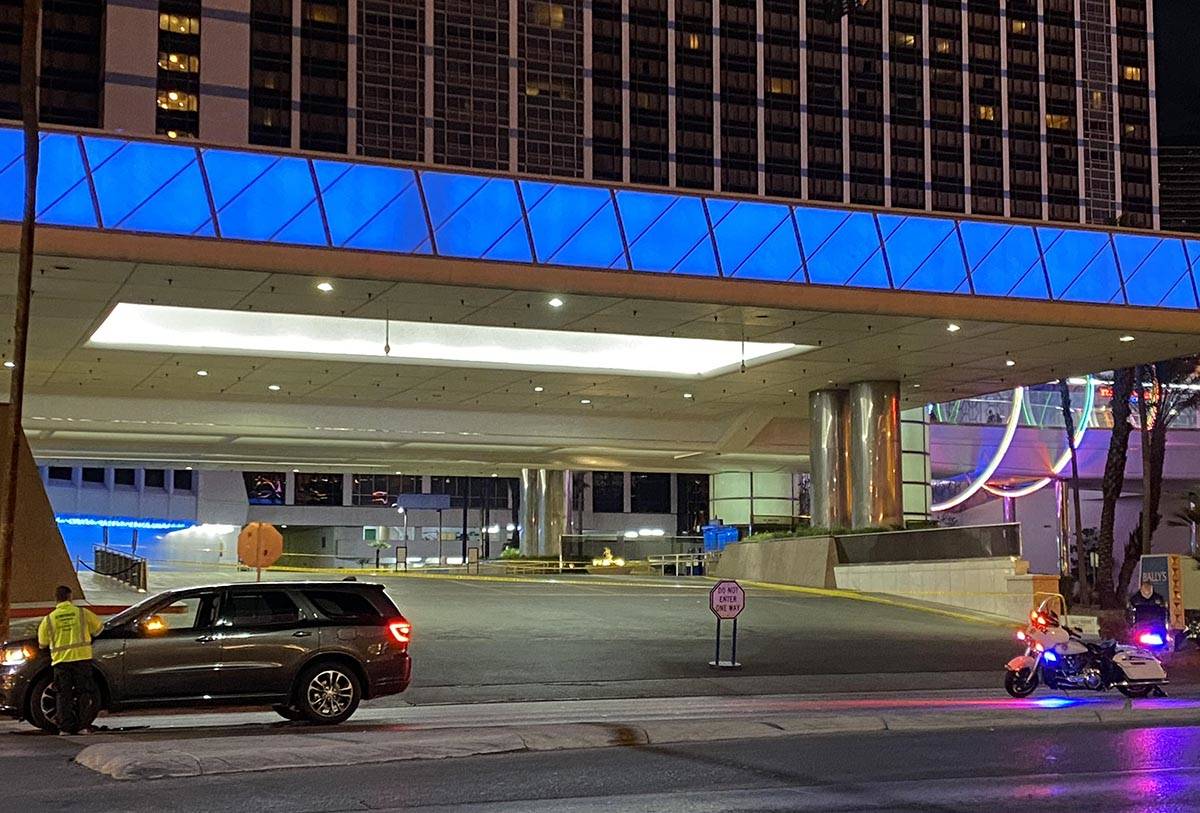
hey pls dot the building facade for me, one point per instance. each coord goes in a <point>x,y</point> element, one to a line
<point>1039,109</point>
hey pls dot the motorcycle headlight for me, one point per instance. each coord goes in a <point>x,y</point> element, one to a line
<point>17,655</point>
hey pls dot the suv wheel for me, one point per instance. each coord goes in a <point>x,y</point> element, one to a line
<point>43,705</point>
<point>328,693</point>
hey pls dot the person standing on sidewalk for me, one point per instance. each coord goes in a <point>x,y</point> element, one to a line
<point>68,631</point>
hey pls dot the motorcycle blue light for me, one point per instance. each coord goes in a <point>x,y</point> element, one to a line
<point>1050,656</point>
<point>1151,639</point>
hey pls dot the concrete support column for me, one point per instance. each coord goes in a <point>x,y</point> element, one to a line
<point>554,510</point>
<point>876,493</point>
<point>545,513</point>
<point>829,416</point>
<point>527,515</point>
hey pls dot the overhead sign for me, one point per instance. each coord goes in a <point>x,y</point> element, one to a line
<point>727,599</point>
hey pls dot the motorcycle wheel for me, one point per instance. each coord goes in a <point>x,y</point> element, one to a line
<point>1021,683</point>
<point>1135,691</point>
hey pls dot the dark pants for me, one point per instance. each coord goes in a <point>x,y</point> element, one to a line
<point>76,695</point>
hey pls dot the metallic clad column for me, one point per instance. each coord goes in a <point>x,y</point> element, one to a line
<point>553,510</point>
<point>527,518</point>
<point>829,418</point>
<point>876,487</point>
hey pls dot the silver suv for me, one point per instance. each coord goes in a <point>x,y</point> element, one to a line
<point>310,650</point>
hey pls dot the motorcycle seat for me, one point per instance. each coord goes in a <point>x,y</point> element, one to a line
<point>1105,647</point>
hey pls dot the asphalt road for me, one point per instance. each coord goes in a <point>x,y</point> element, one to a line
<point>489,640</point>
<point>1046,769</point>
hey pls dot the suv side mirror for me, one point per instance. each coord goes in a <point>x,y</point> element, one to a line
<point>154,625</point>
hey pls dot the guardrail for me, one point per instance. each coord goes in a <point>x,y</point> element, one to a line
<point>123,567</point>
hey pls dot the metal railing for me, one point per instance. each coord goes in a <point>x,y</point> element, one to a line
<point>124,567</point>
<point>681,564</point>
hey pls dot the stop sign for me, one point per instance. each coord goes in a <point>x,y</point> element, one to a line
<point>259,545</point>
<point>727,599</point>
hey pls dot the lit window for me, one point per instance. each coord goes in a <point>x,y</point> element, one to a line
<point>985,112</point>
<point>942,45</point>
<point>549,14</point>
<point>1097,100</point>
<point>177,100</point>
<point>693,42</point>
<point>181,63</point>
<point>1058,121</point>
<point>1019,26</point>
<point>900,38</point>
<point>780,85</point>
<point>1132,73</point>
<point>321,13</point>
<point>178,24</point>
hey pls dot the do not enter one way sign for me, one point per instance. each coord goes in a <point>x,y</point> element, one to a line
<point>727,599</point>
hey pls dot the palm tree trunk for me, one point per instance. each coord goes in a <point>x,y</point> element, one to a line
<point>1113,484</point>
<point>1064,391</point>
<point>1144,431</point>
<point>30,28</point>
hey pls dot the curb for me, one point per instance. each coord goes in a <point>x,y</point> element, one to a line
<point>140,759</point>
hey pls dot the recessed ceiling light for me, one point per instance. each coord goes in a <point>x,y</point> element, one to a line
<point>495,475</point>
<point>1127,338</point>
<point>273,387</point>
<point>164,328</point>
<point>325,287</point>
<point>188,468</point>
<point>539,389</point>
<point>10,364</point>
<point>555,302</point>
<point>202,373</point>
<point>1009,363</point>
<point>953,328</point>
<point>295,471</point>
<point>916,386</point>
<point>585,400</point>
<point>687,395</point>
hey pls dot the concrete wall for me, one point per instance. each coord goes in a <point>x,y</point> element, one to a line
<point>1001,586</point>
<point>804,561</point>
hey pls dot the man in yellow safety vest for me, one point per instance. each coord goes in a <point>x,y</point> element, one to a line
<point>67,631</point>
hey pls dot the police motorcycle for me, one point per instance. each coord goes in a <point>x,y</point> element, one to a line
<point>1057,655</point>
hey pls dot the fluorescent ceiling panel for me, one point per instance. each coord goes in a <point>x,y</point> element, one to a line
<point>162,328</point>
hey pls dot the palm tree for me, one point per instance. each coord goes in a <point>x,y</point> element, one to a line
<point>1113,483</point>
<point>1165,390</point>
<point>1064,391</point>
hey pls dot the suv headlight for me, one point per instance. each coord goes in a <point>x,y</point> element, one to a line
<point>17,655</point>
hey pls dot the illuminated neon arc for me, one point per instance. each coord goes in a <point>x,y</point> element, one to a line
<point>1080,430</point>
<point>1010,431</point>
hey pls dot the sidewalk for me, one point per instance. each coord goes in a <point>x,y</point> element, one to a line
<point>456,731</point>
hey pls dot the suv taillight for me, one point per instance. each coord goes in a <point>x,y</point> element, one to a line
<point>401,630</point>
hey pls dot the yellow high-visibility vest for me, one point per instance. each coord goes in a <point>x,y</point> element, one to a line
<point>68,632</point>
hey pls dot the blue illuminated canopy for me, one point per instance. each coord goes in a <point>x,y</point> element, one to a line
<point>169,188</point>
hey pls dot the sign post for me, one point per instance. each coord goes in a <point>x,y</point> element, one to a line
<point>727,599</point>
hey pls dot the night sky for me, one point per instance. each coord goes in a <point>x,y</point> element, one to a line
<point>1177,42</point>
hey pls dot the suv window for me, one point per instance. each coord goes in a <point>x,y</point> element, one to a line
<point>188,613</point>
<point>343,605</point>
<point>260,608</point>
